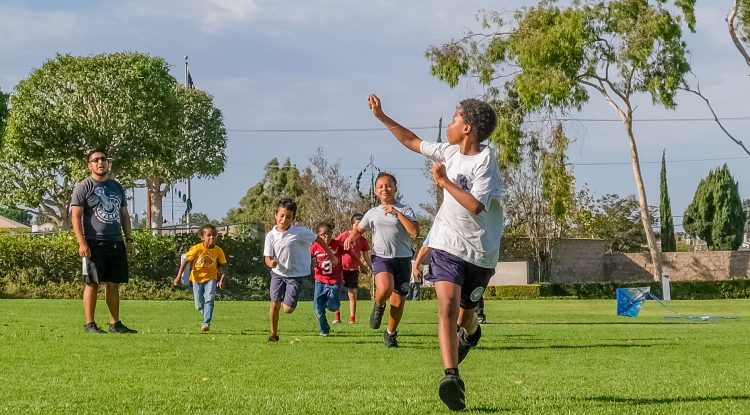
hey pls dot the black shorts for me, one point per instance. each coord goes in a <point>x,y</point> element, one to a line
<point>351,278</point>
<point>110,259</point>
<point>471,278</point>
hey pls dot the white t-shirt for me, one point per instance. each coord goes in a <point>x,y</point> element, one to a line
<point>291,249</point>
<point>389,237</point>
<point>473,238</point>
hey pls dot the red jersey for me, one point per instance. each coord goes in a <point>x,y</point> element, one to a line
<point>325,272</point>
<point>360,246</point>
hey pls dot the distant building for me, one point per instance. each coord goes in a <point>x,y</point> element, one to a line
<point>9,225</point>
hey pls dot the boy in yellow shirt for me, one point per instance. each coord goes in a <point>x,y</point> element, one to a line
<point>205,260</point>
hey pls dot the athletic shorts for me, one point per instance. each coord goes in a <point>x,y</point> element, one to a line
<point>351,278</point>
<point>472,279</point>
<point>110,260</point>
<point>285,289</point>
<point>400,268</point>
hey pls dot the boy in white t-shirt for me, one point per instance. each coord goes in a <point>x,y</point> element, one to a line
<point>287,252</point>
<point>465,236</point>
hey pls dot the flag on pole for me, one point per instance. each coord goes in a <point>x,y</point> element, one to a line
<point>190,80</point>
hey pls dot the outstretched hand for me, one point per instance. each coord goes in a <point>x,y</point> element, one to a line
<point>373,103</point>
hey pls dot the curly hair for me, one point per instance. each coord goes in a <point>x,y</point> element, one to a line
<point>480,116</point>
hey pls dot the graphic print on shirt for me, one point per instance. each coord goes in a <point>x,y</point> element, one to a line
<point>463,182</point>
<point>204,261</point>
<point>108,210</point>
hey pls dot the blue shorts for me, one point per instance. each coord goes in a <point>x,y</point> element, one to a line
<point>400,268</point>
<point>471,278</point>
<point>285,289</point>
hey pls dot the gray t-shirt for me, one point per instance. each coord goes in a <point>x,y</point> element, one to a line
<point>101,202</point>
<point>389,237</point>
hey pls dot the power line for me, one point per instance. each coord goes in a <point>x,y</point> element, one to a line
<point>349,130</point>
<point>655,162</point>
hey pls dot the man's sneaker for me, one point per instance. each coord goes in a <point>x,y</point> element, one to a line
<point>390,339</point>
<point>120,328</point>
<point>377,316</point>
<point>205,328</point>
<point>273,338</point>
<point>452,392</point>
<point>93,328</point>
<point>352,320</point>
<point>466,342</point>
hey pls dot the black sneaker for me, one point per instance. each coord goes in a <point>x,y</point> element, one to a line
<point>452,392</point>
<point>377,316</point>
<point>466,342</point>
<point>120,328</point>
<point>273,338</point>
<point>93,328</point>
<point>390,339</point>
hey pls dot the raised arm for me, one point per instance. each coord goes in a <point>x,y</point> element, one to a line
<point>412,227</point>
<point>403,134</point>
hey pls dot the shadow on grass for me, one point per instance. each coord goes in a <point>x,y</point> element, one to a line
<point>593,323</point>
<point>651,401</point>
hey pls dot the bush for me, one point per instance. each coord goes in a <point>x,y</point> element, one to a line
<point>48,266</point>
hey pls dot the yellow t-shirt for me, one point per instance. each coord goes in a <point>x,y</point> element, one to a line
<point>205,262</point>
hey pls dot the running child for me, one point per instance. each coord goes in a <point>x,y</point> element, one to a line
<point>353,266</point>
<point>393,226</point>
<point>205,259</point>
<point>328,278</point>
<point>287,253</point>
<point>465,236</point>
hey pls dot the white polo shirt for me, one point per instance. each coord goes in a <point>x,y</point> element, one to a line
<point>291,249</point>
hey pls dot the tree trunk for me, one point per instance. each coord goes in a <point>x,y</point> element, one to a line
<point>156,194</point>
<point>653,247</point>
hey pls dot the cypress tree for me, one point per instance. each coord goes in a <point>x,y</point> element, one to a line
<point>668,243</point>
<point>715,214</point>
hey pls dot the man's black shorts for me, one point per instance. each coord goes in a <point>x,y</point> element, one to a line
<point>110,259</point>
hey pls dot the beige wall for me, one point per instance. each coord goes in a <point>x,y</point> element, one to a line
<point>681,266</point>
<point>584,260</point>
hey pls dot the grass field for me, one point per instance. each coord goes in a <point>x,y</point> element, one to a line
<point>536,357</point>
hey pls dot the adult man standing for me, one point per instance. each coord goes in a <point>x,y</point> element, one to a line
<point>100,216</point>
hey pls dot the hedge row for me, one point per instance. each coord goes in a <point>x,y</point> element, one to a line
<point>680,290</point>
<point>48,266</point>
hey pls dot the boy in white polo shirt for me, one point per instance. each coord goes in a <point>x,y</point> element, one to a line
<point>465,236</point>
<point>287,252</point>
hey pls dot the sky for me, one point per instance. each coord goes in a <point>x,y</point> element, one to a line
<point>308,66</point>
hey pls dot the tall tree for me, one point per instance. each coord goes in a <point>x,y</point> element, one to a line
<point>553,57</point>
<point>668,242</point>
<point>746,208</point>
<point>539,197</point>
<point>715,214</point>
<point>200,149</point>
<point>259,202</point>
<point>327,194</point>
<point>122,102</point>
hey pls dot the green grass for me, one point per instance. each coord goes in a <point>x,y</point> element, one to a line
<point>536,357</point>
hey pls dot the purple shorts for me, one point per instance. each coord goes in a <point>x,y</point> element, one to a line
<point>285,289</point>
<point>351,278</point>
<point>471,278</point>
<point>400,268</point>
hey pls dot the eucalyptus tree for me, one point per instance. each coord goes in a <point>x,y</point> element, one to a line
<point>552,58</point>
